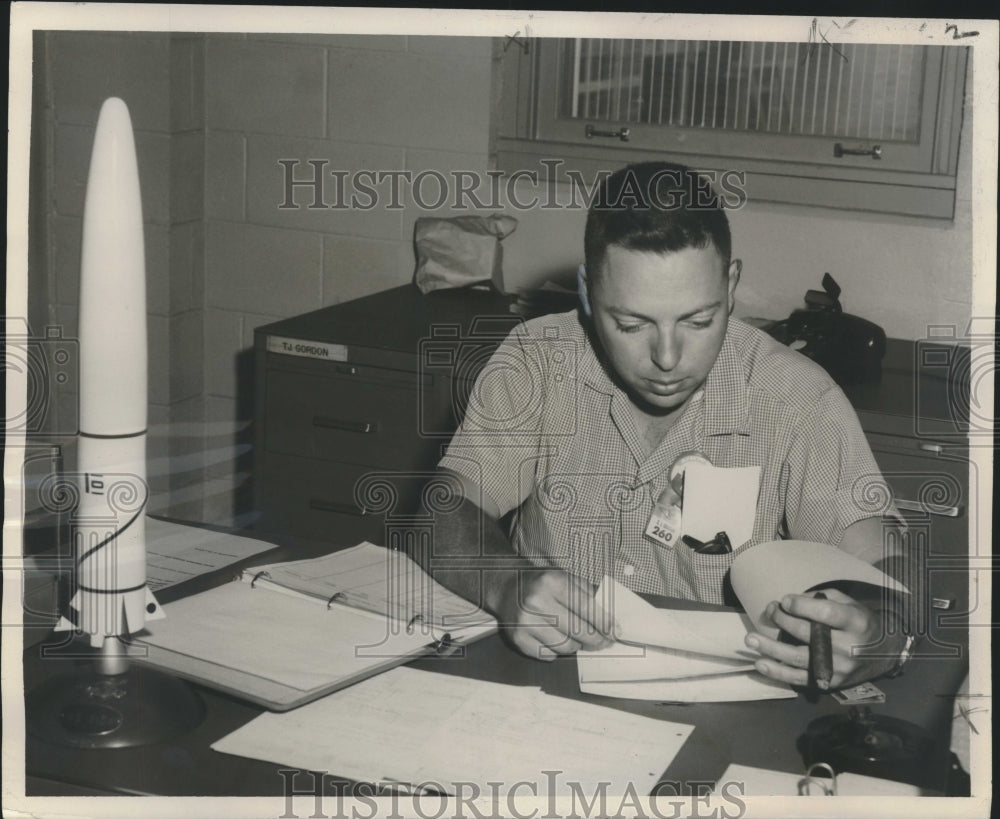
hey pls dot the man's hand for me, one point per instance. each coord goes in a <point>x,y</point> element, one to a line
<point>550,612</point>
<point>851,624</point>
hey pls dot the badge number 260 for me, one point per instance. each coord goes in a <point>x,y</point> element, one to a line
<point>662,529</point>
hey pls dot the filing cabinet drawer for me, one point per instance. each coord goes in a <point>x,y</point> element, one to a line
<point>929,481</point>
<point>934,490</point>
<point>348,419</point>
<point>335,502</point>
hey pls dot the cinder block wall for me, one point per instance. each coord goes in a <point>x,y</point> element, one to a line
<point>352,103</point>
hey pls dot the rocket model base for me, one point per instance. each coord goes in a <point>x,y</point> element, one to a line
<point>88,709</point>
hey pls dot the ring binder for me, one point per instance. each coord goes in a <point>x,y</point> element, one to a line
<point>364,602</point>
<point>810,779</point>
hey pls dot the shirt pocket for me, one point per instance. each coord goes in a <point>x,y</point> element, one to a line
<point>706,575</point>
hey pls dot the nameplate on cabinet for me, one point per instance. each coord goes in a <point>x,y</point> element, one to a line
<point>306,349</point>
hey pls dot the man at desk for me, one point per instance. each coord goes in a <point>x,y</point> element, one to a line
<point>574,425</point>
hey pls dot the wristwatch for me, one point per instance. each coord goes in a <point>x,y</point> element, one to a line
<point>903,658</point>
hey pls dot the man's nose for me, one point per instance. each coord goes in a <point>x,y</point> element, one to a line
<point>666,351</point>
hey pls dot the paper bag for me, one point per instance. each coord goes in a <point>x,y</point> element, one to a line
<point>461,251</point>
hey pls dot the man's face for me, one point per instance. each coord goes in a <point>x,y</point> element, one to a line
<point>661,319</point>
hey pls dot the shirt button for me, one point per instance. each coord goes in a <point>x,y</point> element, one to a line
<point>629,570</point>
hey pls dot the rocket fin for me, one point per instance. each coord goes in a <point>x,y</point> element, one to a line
<point>139,607</point>
<point>64,625</point>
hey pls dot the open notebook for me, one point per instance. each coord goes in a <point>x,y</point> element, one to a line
<point>698,656</point>
<point>284,634</point>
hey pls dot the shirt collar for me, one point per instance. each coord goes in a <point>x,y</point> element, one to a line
<point>725,389</point>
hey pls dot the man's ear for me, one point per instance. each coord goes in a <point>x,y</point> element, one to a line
<point>733,276</point>
<point>581,289</point>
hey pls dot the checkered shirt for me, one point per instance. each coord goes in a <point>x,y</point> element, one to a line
<point>548,436</point>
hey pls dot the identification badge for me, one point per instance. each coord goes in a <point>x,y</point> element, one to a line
<point>664,525</point>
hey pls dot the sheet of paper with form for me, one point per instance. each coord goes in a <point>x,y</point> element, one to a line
<point>418,726</point>
<point>175,552</point>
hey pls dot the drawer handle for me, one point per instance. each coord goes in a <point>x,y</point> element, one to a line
<point>327,422</point>
<point>937,449</point>
<point>342,508</point>
<point>943,603</point>
<point>930,508</point>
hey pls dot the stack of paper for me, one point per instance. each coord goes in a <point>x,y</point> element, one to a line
<point>697,656</point>
<point>669,655</point>
<point>410,726</point>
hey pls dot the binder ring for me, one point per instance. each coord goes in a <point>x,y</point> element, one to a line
<point>333,598</point>
<point>416,618</point>
<point>257,576</point>
<point>812,779</point>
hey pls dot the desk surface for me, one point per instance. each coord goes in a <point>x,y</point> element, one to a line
<point>761,734</point>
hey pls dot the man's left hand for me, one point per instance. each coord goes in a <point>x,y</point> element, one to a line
<point>855,629</point>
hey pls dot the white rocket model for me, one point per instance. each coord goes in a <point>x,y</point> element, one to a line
<point>111,597</point>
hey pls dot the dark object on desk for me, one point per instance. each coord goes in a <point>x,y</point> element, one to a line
<point>88,709</point>
<point>848,347</point>
<point>869,744</point>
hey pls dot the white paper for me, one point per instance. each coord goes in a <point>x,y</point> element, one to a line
<point>768,571</point>
<point>720,499</point>
<point>621,662</point>
<point>764,782</point>
<point>715,633</point>
<point>719,688</point>
<point>175,552</point>
<point>289,640</point>
<point>422,727</point>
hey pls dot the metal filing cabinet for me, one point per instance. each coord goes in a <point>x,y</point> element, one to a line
<point>916,421</point>
<point>354,403</point>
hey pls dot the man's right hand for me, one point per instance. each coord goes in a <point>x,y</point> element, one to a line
<point>550,612</point>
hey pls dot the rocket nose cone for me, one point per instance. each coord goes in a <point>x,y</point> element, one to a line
<point>114,116</point>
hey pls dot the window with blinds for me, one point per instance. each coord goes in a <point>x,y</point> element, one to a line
<point>862,126</point>
<point>852,91</point>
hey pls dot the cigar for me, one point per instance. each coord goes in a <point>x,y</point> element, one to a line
<point>820,652</point>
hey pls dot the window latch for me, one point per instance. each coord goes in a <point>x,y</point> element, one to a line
<point>875,152</point>
<point>622,133</point>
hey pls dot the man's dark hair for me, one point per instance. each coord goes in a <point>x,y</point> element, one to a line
<point>658,207</point>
